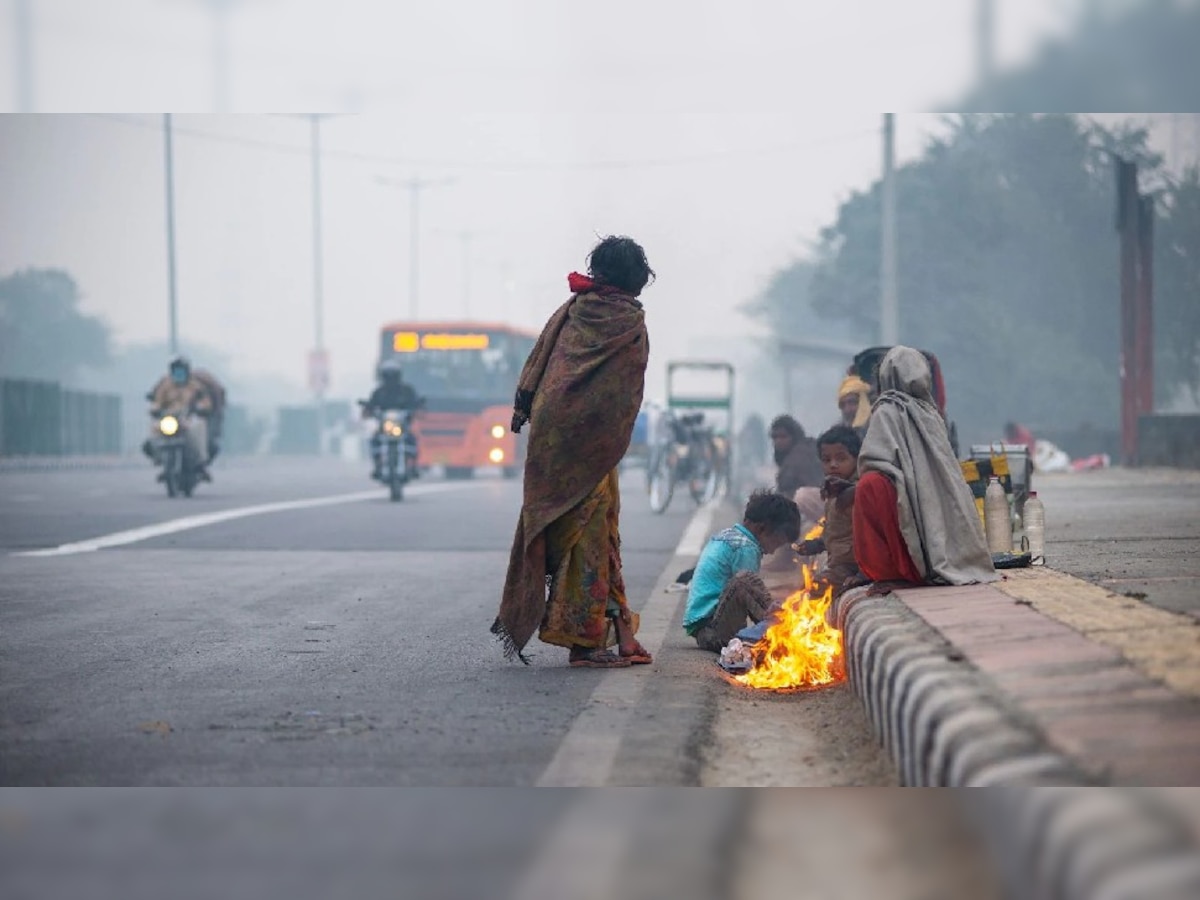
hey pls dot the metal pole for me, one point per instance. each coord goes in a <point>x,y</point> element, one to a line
<point>1144,316</point>
<point>318,280</point>
<point>1127,227</point>
<point>23,57</point>
<point>414,278</point>
<point>172,303</point>
<point>220,51</point>
<point>889,325</point>
<point>984,44</point>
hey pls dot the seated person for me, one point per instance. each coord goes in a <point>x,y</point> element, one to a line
<point>725,589</point>
<point>839,448</point>
<point>914,518</point>
<point>796,456</point>
<point>854,401</point>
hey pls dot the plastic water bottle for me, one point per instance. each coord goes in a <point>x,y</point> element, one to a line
<point>997,525</point>
<point>1035,529</point>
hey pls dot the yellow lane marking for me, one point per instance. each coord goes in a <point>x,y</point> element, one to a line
<point>1161,644</point>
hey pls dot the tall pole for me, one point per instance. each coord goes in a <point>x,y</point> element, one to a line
<point>220,49</point>
<point>414,247</point>
<point>889,315</point>
<point>1128,207</point>
<point>169,160</point>
<point>414,186</point>
<point>466,238</point>
<point>984,44</point>
<point>23,57</point>
<point>319,363</point>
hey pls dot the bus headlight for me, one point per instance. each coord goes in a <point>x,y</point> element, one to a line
<point>497,431</point>
<point>168,425</point>
<point>497,455</point>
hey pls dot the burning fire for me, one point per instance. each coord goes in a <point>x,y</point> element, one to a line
<point>800,649</point>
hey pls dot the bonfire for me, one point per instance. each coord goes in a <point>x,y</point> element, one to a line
<point>800,650</point>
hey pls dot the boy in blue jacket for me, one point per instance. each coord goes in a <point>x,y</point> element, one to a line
<point>725,590</point>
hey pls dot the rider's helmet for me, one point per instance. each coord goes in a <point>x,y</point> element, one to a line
<point>389,371</point>
<point>180,369</point>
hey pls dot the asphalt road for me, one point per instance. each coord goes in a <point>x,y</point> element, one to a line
<point>347,644</point>
<point>1134,531</point>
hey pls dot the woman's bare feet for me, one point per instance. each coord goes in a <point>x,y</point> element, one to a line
<point>628,644</point>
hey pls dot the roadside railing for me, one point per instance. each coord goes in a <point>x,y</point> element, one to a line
<point>42,418</point>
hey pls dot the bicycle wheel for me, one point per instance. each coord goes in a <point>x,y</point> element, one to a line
<point>661,484</point>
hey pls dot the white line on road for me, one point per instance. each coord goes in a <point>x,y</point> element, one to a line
<point>586,755</point>
<point>187,523</point>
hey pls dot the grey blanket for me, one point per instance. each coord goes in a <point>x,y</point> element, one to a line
<point>906,440</point>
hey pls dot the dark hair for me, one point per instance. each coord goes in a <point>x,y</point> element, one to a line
<point>788,424</point>
<point>621,262</point>
<point>777,512</point>
<point>841,434</point>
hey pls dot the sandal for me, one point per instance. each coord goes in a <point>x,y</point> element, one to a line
<point>599,658</point>
<point>638,656</point>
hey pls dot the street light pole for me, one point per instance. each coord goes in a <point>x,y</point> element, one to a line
<point>414,186</point>
<point>318,364</point>
<point>23,57</point>
<point>889,315</point>
<point>168,153</point>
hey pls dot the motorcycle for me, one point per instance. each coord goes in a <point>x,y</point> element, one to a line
<point>171,450</point>
<point>396,448</point>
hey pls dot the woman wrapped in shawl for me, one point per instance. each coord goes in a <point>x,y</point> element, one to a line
<point>914,518</point>
<point>580,392</point>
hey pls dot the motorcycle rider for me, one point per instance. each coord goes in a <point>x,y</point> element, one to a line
<point>216,419</point>
<point>185,395</point>
<point>393,392</point>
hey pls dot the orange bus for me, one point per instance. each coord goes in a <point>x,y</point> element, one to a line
<point>467,372</point>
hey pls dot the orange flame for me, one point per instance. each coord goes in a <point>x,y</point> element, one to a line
<point>800,649</point>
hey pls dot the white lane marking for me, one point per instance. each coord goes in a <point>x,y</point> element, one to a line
<point>187,523</point>
<point>587,753</point>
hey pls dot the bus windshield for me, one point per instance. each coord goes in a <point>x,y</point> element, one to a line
<point>478,367</point>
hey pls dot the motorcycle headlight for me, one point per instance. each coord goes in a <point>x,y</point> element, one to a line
<point>497,431</point>
<point>393,428</point>
<point>168,425</point>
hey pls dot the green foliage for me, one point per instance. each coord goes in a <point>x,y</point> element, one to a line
<point>1007,268</point>
<point>43,335</point>
<point>1139,57</point>
<point>1177,290</point>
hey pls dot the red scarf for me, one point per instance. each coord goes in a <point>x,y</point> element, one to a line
<point>583,284</point>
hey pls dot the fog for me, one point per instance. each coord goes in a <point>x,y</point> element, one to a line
<point>722,138</point>
<point>719,139</point>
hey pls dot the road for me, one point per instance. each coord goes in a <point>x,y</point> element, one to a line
<point>347,644</point>
<point>1134,531</point>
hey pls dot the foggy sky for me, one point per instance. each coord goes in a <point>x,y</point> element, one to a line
<point>714,133</point>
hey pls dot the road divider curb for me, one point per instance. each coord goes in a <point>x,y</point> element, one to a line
<point>946,723</point>
<point>941,720</point>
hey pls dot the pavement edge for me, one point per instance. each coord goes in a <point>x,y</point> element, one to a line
<point>1050,832</point>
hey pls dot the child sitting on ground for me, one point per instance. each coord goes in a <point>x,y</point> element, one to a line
<point>726,589</point>
<point>838,448</point>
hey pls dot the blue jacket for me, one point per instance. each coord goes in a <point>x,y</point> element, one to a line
<point>732,550</point>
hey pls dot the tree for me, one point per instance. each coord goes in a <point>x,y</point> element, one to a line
<point>1138,57</point>
<point>1177,290</point>
<point>1007,267</point>
<point>43,335</point>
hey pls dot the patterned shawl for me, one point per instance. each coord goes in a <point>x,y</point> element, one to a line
<point>580,391</point>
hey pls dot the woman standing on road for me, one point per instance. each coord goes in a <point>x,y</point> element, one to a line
<point>580,392</point>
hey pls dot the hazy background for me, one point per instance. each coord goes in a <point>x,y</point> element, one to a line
<point>717,134</point>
